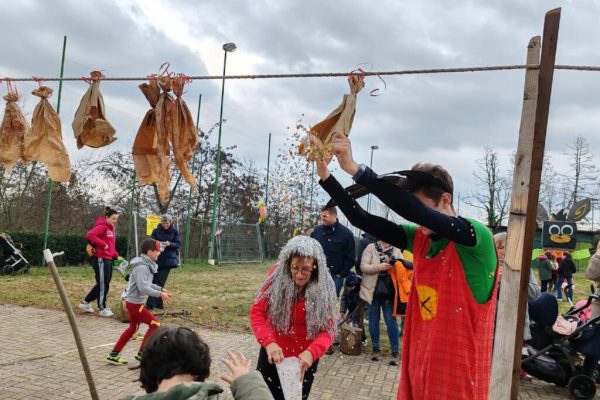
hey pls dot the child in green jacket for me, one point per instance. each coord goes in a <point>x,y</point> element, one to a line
<point>176,362</point>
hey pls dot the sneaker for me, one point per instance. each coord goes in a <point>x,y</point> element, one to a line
<point>138,356</point>
<point>330,351</point>
<point>116,360</point>
<point>87,307</point>
<point>394,360</point>
<point>106,312</point>
<point>376,355</point>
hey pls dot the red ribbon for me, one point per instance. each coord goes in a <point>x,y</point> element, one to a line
<point>164,69</point>
<point>39,80</point>
<point>12,89</point>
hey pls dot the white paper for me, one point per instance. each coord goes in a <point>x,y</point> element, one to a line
<point>289,377</point>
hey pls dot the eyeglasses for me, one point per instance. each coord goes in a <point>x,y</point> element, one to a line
<point>304,271</point>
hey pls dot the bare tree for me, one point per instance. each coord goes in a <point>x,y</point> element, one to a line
<point>581,179</point>
<point>550,186</point>
<point>493,196</point>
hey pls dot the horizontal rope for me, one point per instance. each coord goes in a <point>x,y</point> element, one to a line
<point>325,74</point>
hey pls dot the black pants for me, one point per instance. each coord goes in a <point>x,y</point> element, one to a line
<point>269,373</point>
<point>103,272</point>
<point>160,278</point>
<point>546,283</point>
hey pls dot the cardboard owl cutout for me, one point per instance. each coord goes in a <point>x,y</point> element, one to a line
<point>559,230</point>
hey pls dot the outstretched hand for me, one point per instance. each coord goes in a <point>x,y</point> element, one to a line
<point>322,159</point>
<point>342,149</point>
<point>238,364</point>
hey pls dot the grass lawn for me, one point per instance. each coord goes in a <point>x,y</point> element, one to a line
<point>581,290</point>
<point>217,296</point>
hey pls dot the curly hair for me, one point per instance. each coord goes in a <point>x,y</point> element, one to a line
<point>173,351</point>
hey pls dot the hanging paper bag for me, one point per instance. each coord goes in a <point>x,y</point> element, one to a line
<point>44,142</point>
<point>90,125</point>
<point>185,137</point>
<point>12,131</point>
<point>145,150</point>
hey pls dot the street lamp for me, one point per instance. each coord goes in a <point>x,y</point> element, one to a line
<point>227,48</point>
<point>371,166</point>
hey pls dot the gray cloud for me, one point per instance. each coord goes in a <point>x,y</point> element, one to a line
<point>447,116</point>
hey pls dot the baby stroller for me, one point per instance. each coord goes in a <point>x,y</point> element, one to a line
<point>11,258</point>
<point>557,358</point>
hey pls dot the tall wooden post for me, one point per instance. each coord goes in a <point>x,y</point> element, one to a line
<point>522,219</point>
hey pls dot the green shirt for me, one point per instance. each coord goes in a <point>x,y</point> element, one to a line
<point>479,262</point>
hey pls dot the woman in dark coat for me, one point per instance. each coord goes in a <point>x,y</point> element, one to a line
<point>168,237</point>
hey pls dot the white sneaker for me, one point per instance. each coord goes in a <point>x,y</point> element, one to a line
<point>87,307</point>
<point>106,312</point>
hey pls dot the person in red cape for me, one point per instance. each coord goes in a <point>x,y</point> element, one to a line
<point>448,334</point>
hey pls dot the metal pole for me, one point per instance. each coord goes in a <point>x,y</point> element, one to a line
<point>49,203</point>
<point>186,246</point>
<point>135,233</point>
<point>131,208</point>
<point>312,186</point>
<point>213,224</point>
<point>268,165</point>
<point>48,257</point>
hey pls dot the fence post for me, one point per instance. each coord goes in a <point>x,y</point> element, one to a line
<point>512,303</point>
<point>50,184</point>
<point>135,233</point>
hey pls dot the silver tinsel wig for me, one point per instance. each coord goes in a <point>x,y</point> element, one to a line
<point>281,292</point>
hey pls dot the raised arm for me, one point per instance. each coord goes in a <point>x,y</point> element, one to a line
<point>457,229</point>
<point>402,202</point>
<point>379,227</point>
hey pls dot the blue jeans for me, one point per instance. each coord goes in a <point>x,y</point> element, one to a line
<point>568,289</point>
<point>390,321</point>
<point>339,283</point>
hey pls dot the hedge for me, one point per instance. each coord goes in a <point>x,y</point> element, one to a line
<point>73,245</point>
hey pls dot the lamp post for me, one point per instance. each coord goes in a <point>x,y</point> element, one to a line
<point>227,48</point>
<point>371,166</point>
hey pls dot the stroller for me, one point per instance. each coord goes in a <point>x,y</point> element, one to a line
<point>557,358</point>
<point>11,258</point>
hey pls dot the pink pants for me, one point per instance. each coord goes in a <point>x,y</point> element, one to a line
<point>137,313</point>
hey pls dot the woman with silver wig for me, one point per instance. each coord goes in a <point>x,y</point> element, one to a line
<point>294,314</point>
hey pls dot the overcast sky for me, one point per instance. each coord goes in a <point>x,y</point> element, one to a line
<point>444,118</point>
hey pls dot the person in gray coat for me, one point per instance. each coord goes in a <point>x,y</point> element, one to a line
<point>140,287</point>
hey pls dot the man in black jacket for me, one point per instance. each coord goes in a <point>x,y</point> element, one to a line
<point>338,243</point>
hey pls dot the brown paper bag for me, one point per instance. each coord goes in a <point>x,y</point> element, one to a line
<point>340,120</point>
<point>145,150</point>
<point>185,137</point>
<point>44,142</point>
<point>164,129</point>
<point>13,130</point>
<point>90,125</point>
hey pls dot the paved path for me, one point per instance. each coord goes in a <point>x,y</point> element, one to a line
<point>40,361</point>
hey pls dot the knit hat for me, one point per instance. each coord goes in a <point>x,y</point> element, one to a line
<point>166,218</point>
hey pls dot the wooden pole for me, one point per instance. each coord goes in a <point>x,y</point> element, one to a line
<point>522,219</point>
<point>50,183</point>
<point>48,256</point>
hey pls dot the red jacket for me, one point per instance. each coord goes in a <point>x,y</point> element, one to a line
<point>101,235</point>
<point>294,343</point>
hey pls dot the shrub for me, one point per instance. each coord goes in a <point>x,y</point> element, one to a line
<point>73,245</point>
